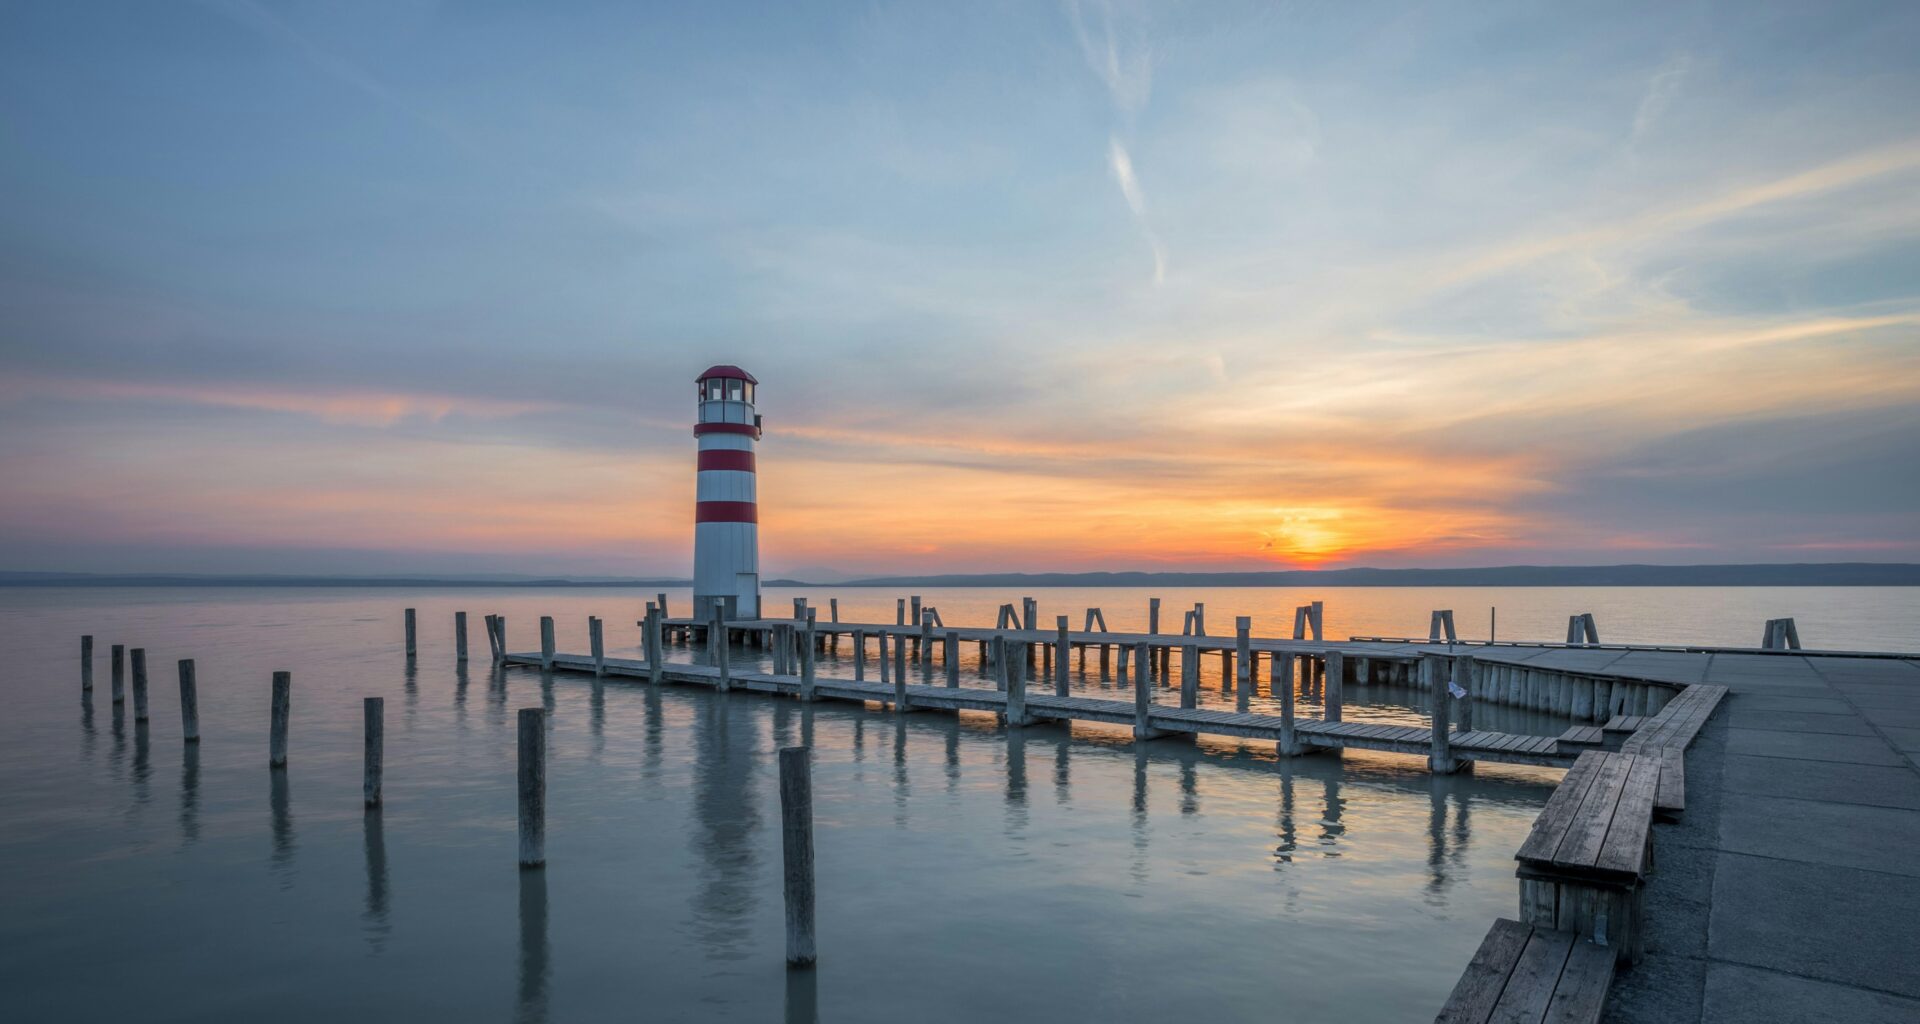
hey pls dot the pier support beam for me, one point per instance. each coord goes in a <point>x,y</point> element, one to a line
<point>117,666</point>
<point>86,663</point>
<point>546,643</point>
<point>1060,655</point>
<point>460,637</point>
<point>277,724</point>
<point>1143,695</point>
<point>139,684</point>
<point>373,748</point>
<point>189,703</point>
<point>411,649</point>
<point>1440,760</point>
<point>533,787</point>
<point>597,642</point>
<point>952,658</point>
<point>1334,685</point>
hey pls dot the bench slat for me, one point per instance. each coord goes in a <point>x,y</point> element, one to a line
<point>1625,849</point>
<point>1530,987</point>
<point>1588,831</point>
<point>1479,987</point>
<point>1551,826</point>
<point>1582,992</point>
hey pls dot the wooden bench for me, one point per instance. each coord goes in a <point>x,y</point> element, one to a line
<point>1624,723</point>
<point>1523,972</point>
<point>1666,735</point>
<point>1584,863</point>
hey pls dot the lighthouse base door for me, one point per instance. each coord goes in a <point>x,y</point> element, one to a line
<point>746,589</point>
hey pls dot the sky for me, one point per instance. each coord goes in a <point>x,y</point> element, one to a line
<point>413,287</point>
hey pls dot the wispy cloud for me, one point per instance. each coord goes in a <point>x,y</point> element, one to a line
<point>1122,164</point>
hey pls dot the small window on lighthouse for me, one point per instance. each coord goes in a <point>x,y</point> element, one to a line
<point>749,392</point>
<point>733,390</point>
<point>713,389</point>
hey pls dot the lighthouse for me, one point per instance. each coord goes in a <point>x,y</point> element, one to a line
<point>726,530</point>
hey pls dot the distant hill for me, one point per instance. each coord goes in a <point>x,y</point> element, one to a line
<point>1821,574</point>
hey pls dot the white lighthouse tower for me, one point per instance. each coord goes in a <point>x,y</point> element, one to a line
<point>726,531</point>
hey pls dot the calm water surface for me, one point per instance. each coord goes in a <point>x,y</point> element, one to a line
<point>964,871</point>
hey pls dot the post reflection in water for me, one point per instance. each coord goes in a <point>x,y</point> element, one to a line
<point>1138,868</point>
<point>803,996</point>
<point>1462,830</point>
<point>460,697</point>
<point>278,802</point>
<point>1016,743</point>
<point>727,821</point>
<point>190,793</point>
<point>901,789</point>
<point>1189,788</point>
<point>536,969</point>
<point>597,715</point>
<point>1289,836</point>
<point>410,683</point>
<point>952,725</point>
<point>1331,830</point>
<point>142,764</point>
<point>650,734</point>
<point>1436,841</point>
<point>375,917</point>
<point>1063,771</point>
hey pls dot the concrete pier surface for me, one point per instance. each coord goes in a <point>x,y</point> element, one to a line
<point>1790,889</point>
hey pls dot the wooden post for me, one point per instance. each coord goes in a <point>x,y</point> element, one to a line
<point>1199,618</point>
<point>886,666</point>
<point>533,787</point>
<point>1576,630</point>
<point>722,649</point>
<point>859,655</point>
<point>1466,672</point>
<point>597,641</point>
<point>660,602</point>
<point>1189,676</point>
<point>952,655</point>
<point>1440,760</point>
<point>1143,694</point>
<point>998,657</point>
<point>546,643</point>
<point>833,608</point>
<point>796,846</point>
<point>460,637</point>
<point>1447,620</point>
<point>923,647</point>
<point>899,611</point>
<point>1336,671</point>
<point>1243,654</point>
<point>1289,745</point>
<point>1433,627</point>
<point>493,640</point>
<point>1031,620</point>
<point>374,754</point>
<point>86,663</point>
<point>1593,631</point>
<point>118,665</point>
<point>900,702</point>
<point>282,709</point>
<point>410,633</point>
<point>139,684</point>
<point>500,634</point>
<point>916,618</point>
<point>1060,655</point>
<point>806,661</point>
<point>1318,618</point>
<point>1153,615</point>
<point>189,703</point>
<point>1017,685</point>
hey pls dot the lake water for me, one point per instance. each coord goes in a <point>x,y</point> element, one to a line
<point>964,871</point>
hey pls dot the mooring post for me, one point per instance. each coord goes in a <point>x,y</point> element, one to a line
<point>493,640</point>
<point>1017,686</point>
<point>533,787</point>
<point>833,608</point>
<point>1466,672</point>
<point>1199,618</point>
<point>660,601</point>
<point>917,620</point>
<point>899,611</point>
<point>1143,695</point>
<point>952,657</point>
<point>900,657</point>
<point>859,655</point>
<point>806,661</point>
<point>460,637</point>
<point>500,634</point>
<point>86,663</point>
<point>796,847</point>
<point>1440,760</point>
<point>1318,617</point>
<point>597,641</point>
<point>1280,674</point>
<point>1336,670</point>
<point>1061,647</point>
<point>410,633</point>
<point>189,703</point>
<point>1289,745</point>
<point>722,649</point>
<point>282,708</point>
<point>1120,671</point>
<point>546,643</point>
<point>139,684</point>
<point>1189,676</point>
<point>373,711</point>
<point>1153,615</point>
<point>923,647</point>
<point>900,676</point>
<point>1593,631</point>
<point>118,669</point>
<point>1576,630</point>
<point>1031,619</point>
<point>886,665</point>
<point>1243,656</point>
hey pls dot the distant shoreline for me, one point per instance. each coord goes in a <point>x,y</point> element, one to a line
<point>1825,574</point>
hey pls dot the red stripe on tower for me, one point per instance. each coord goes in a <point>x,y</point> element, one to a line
<point>722,459</point>
<point>747,429</point>
<point>726,512</point>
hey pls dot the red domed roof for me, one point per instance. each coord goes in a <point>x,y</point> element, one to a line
<point>727,372</point>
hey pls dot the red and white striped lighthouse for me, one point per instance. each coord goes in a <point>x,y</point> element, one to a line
<point>726,531</point>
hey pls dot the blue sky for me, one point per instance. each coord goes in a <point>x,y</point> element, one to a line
<point>416,286</point>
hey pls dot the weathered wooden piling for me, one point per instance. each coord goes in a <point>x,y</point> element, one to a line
<point>1189,676</point>
<point>533,787</point>
<point>86,663</point>
<point>807,654</point>
<point>796,848</point>
<point>1061,649</point>
<point>493,639</point>
<point>189,703</point>
<point>1243,656</point>
<point>139,684</point>
<point>373,757</point>
<point>660,602</point>
<point>117,665</point>
<point>653,640</point>
<point>1466,672</point>
<point>884,654</point>
<point>1336,671</point>
<point>597,644</point>
<point>722,650</point>
<point>833,609</point>
<point>951,655</point>
<point>899,611</point>
<point>546,643</point>
<point>1143,694</point>
<point>410,633</point>
<point>901,703</point>
<point>859,655</point>
<point>1289,745</point>
<point>900,657</point>
<point>1153,615</point>
<point>500,638</point>
<point>277,728</point>
<point>460,637</point>
<point>1440,759</point>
